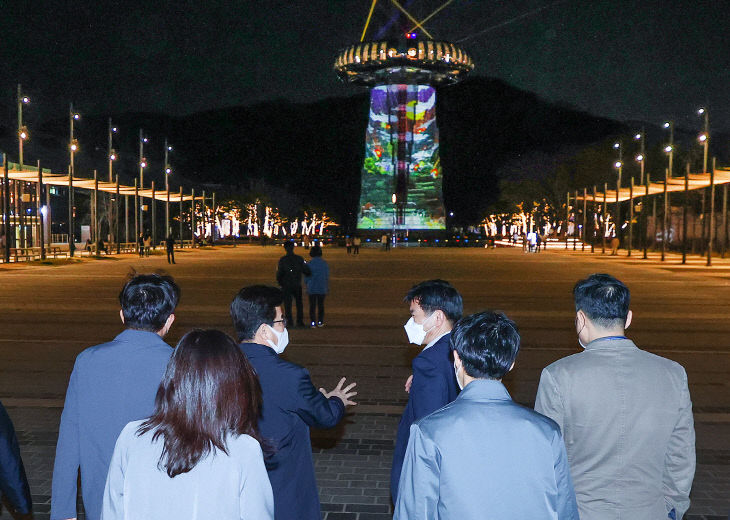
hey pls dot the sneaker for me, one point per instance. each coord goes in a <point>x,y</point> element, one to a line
<point>312,325</point>
<point>319,324</point>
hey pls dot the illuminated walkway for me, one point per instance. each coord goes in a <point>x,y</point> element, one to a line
<point>49,314</point>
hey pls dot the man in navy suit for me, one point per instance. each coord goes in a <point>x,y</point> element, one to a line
<point>435,306</point>
<point>484,456</point>
<point>13,482</point>
<point>291,403</point>
<point>112,384</point>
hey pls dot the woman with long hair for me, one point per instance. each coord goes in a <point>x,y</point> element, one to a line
<point>199,455</point>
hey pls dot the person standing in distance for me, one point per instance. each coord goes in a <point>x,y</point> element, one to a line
<point>289,275</point>
<point>291,403</point>
<point>112,384</point>
<point>435,306</point>
<point>483,455</point>
<point>170,248</point>
<point>317,286</point>
<point>625,414</point>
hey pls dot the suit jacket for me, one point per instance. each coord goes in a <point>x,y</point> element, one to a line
<point>484,457</point>
<point>291,404</point>
<point>111,384</point>
<point>290,271</point>
<point>626,417</point>
<point>433,386</point>
<point>13,483</point>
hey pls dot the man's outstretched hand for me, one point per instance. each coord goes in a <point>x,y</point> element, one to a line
<point>409,382</point>
<point>343,394</point>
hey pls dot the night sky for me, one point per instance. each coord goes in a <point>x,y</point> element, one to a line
<point>629,60</point>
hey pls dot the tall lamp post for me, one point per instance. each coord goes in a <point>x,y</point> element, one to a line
<point>142,166</point>
<point>669,149</point>
<point>641,159</point>
<point>619,167</point>
<point>22,130</point>
<point>168,172</point>
<point>704,137</point>
<point>394,199</point>
<point>73,147</point>
<point>113,202</point>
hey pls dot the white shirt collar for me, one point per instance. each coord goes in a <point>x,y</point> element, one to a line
<point>433,341</point>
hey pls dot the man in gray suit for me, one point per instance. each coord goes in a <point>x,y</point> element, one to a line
<point>482,455</point>
<point>625,414</point>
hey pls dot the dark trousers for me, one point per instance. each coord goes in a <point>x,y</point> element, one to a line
<point>316,303</point>
<point>296,294</point>
<point>170,256</point>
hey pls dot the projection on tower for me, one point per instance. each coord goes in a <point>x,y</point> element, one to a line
<point>401,175</point>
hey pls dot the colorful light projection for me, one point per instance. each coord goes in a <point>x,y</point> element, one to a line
<point>402,159</point>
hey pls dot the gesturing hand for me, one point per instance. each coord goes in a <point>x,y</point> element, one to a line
<point>409,382</point>
<point>343,394</point>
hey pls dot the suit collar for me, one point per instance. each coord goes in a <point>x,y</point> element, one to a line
<point>257,350</point>
<point>446,335</point>
<point>140,336</point>
<point>485,390</point>
<point>610,343</point>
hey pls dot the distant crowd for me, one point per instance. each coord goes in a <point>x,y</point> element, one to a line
<point>218,428</point>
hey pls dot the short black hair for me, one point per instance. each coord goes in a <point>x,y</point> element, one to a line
<point>487,343</point>
<point>433,295</point>
<point>147,301</point>
<point>315,251</point>
<point>604,299</point>
<point>253,306</point>
<point>289,245</point>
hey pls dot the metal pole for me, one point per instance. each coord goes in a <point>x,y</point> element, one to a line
<point>724,218</point>
<point>603,226</point>
<point>167,190</point>
<point>631,215</point>
<point>6,208</point>
<point>684,215</point>
<point>153,201</point>
<point>141,181</point>
<point>20,126</point>
<point>41,235</point>
<point>618,189</point>
<point>665,223</point>
<point>712,214</point>
<point>137,209</point>
<point>593,224</point>
<point>71,244</point>
<point>575,219</point>
<point>192,219</point>
<point>180,217</point>
<point>583,229</point>
<point>113,208</point>
<point>567,219</point>
<point>645,211</point>
<point>213,217</point>
<point>116,217</point>
<point>205,216</point>
<point>126,217</point>
<point>96,234</point>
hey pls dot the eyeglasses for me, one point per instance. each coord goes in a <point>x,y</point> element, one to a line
<point>282,321</point>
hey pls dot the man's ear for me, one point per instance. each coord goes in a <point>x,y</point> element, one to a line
<point>263,332</point>
<point>457,358</point>
<point>121,315</point>
<point>629,316</point>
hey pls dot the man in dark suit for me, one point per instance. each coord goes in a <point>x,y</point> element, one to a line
<point>435,306</point>
<point>112,384</point>
<point>291,403</point>
<point>13,483</point>
<point>289,275</point>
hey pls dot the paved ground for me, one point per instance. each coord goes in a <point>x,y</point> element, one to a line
<point>49,314</point>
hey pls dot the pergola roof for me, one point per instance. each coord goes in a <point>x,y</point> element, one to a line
<point>695,181</point>
<point>30,174</point>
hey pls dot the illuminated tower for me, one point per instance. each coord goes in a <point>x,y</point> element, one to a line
<point>401,177</point>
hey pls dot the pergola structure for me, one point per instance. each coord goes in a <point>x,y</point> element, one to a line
<point>665,187</point>
<point>24,209</point>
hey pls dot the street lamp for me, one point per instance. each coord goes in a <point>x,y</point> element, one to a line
<point>142,166</point>
<point>704,137</point>
<point>22,130</point>
<point>641,157</point>
<point>619,167</point>
<point>168,171</point>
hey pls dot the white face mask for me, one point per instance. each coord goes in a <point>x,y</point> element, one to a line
<point>416,332</point>
<point>282,340</point>
<point>456,373</point>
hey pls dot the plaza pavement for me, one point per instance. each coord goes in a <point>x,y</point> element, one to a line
<point>49,314</point>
